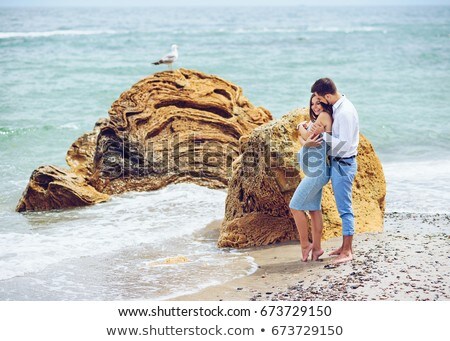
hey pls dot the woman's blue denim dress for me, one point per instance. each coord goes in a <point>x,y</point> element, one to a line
<point>314,163</point>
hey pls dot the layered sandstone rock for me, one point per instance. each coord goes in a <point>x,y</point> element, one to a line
<point>170,127</point>
<point>80,156</point>
<point>52,187</point>
<point>265,176</point>
<point>173,127</point>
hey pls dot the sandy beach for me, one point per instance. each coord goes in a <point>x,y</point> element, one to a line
<point>409,260</point>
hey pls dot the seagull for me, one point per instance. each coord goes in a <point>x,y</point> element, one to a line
<point>169,58</point>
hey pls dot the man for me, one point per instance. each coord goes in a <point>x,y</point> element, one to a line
<point>343,143</point>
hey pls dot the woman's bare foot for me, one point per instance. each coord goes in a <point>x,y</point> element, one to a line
<point>316,254</point>
<point>343,257</point>
<point>336,252</point>
<point>305,252</point>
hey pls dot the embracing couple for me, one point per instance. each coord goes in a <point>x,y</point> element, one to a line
<point>329,147</point>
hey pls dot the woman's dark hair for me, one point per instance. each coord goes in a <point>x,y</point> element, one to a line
<point>326,107</point>
<point>324,86</point>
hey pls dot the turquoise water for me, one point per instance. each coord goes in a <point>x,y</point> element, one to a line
<point>62,68</point>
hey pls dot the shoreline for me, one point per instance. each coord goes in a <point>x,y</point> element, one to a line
<point>409,260</point>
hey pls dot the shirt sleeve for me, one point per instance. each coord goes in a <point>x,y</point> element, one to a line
<point>344,143</point>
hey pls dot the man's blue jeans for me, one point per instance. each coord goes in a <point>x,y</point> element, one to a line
<point>342,175</point>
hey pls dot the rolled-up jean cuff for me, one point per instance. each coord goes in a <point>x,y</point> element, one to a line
<point>348,224</point>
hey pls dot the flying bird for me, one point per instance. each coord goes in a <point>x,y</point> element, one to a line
<point>170,58</point>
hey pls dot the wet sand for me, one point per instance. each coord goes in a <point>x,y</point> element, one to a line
<point>409,260</point>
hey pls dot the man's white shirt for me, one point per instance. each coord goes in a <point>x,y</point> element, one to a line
<point>344,137</point>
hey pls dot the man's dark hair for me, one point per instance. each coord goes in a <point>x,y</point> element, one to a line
<point>324,86</point>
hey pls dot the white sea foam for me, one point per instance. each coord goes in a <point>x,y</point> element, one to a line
<point>418,186</point>
<point>70,126</point>
<point>109,251</point>
<point>265,30</point>
<point>128,220</point>
<point>8,35</point>
<point>238,30</point>
<point>345,29</point>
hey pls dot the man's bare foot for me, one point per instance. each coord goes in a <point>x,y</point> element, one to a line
<point>316,254</point>
<point>336,252</point>
<point>343,257</point>
<point>305,252</point>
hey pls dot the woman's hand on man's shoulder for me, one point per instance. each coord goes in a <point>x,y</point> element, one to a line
<point>304,124</point>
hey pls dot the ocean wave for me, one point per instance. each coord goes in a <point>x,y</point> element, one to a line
<point>265,30</point>
<point>227,31</point>
<point>7,132</point>
<point>9,35</point>
<point>154,218</point>
<point>417,186</point>
<point>43,259</point>
<point>16,131</point>
<point>346,29</point>
<point>70,126</point>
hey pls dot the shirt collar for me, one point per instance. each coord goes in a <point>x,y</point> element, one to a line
<point>338,103</point>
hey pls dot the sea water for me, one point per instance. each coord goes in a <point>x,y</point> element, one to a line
<point>61,68</point>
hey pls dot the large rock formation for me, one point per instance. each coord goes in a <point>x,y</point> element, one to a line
<point>173,127</point>
<point>180,126</point>
<point>52,187</point>
<point>265,176</point>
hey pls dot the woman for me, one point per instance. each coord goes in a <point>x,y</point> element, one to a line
<point>314,163</point>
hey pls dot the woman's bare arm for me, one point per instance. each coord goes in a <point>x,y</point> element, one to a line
<point>326,120</point>
<point>323,123</point>
<point>310,141</point>
<point>304,134</point>
<point>302,140</point>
